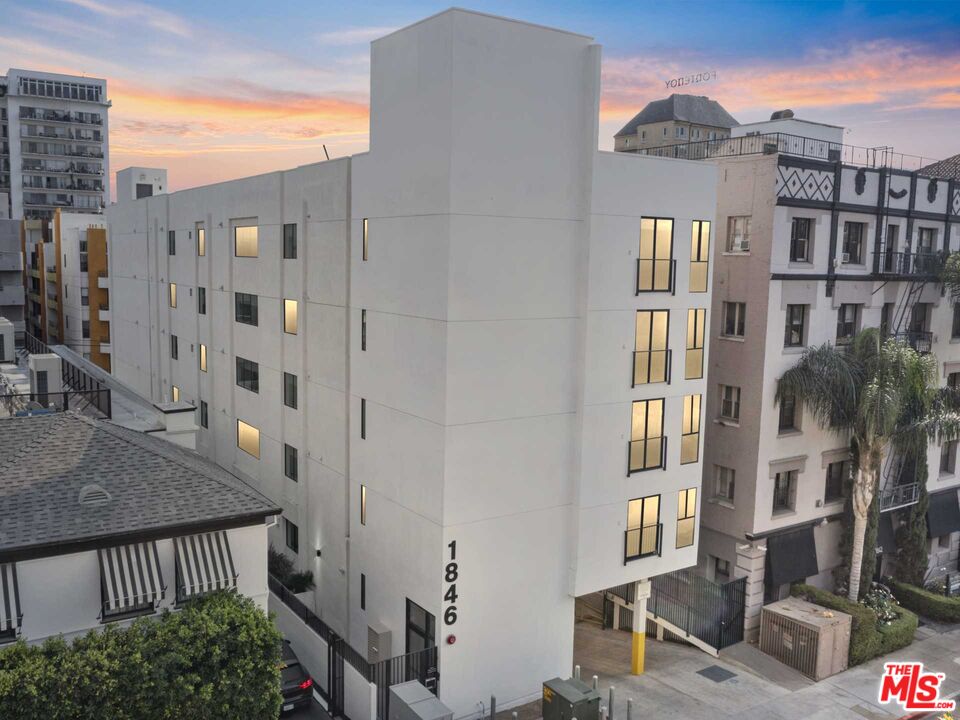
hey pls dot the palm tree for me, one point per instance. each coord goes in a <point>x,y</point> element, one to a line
<point>882,395</point>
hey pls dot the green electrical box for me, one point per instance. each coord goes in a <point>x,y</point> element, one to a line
<point>568,699</point>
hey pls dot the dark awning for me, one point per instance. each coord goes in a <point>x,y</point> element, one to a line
<point>10,615</point>
<point>886,535</point>
<point>791,556</point>
<point>943,514</point>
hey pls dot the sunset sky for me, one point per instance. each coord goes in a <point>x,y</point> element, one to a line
<point>213,90</point>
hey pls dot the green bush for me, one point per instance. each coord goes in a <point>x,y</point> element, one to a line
<point>865,640</point>
<point>899,633</point>
<point>928,604</point>
<point>282,568</point>
<point>216,658</point>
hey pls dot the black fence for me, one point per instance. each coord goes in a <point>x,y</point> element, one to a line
<point>707,610</point>
<point>39,403</point>
<point>84,387</point>
<point>421,665</point>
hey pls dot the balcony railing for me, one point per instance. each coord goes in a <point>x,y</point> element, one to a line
<point>924,263</point>
<point>642,542</point>
<point>899,496</point>
<point>919,340</point>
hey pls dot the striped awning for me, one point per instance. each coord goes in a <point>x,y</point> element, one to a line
<point>204,564</point>
<point>9,598</point>
<point>131,576</point>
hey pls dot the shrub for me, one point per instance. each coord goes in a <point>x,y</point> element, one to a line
<point>281,567</point>
<point>899,633</point>
<point>218,657</point>
<point>931,605</point>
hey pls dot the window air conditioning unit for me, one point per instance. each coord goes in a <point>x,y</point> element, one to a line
<point>845,258</point>
<point>741,245</point>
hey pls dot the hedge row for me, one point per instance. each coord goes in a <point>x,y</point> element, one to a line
<point>923,602</point>
<point>216,658</point>
<point>867,641</point>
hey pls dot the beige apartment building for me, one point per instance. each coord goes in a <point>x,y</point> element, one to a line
<point>672,120</point>
<point>815,241</point>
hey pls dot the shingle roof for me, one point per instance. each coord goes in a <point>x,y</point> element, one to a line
<point>696,109</point>
<point>153,484</point>
<point>947,169</point>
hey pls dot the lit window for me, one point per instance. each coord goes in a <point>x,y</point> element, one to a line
<point>366,227</point>
<point>201,241</point>
<point>290,316</point>
<point>173,295</point>
<point>245,241</point>
<point>690,430</point>
<point>686,517</point>
<point>248,438</point>
<point>646,436</point>
<point>700,256</point>
<point>696,320</point>
<point>203,357</point>
<point>643,528</point>
<point>175,393</point>
<point>651,358</point>
<point>655,259</point>
<point>363,504</point>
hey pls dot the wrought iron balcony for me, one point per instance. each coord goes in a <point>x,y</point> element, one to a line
<point>913,264</point>
<point>899,496</point>
<point>919,340</point>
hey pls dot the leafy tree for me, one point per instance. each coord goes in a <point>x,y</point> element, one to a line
<point>882,396</point>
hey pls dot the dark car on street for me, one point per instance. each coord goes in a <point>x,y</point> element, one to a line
<point>295,683</point>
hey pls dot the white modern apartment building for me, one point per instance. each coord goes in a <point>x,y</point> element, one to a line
<point>54,149</point>
<point>468,364</point>
<point>816,240</point>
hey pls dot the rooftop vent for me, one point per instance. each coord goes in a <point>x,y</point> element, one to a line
<point>782,115</point>
<point>94,495</point>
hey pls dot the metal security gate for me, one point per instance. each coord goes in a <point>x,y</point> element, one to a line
<point>335,675</point>
<point>709,611</point>
<point>420,666</point>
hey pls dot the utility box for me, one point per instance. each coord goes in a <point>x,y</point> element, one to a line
<point>412,701</point>
<point>379,645</point>
<point>568,699</point>
<point>806,637</point>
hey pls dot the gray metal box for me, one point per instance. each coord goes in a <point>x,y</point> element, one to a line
<point>567,699</point>
<point>412,701</point>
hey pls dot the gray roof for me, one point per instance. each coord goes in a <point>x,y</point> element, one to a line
<point>153,485</point>
<point>947,169</point>
<point>696,109</point>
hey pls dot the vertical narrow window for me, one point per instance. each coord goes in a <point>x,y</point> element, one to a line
<point>787,421</point>
<point>700,256</point>
<point>175,393</point>
<point>174,347</point>
<point>171,242</point>
<point>204,416</point>
<point>642,536</point>
<point>734,319</point>
<point>201,241</point>
<point>290,241</point>
<point>366,238</point>
<point>647,444</point>
<point>724,483</point>
<point>245,240</point>
<point>795,329</point>
<point>363,504</point>
<point>290,317</point>
<point>784,487</point>
<point>800,240</point>
<point>955,324</point>
<point>738,234</point>
<point>363,418</point>
<point>202,300</point>
<point>363,330</point>
<point>837,472</point>
<point>651,358</point>
<point>696,320</point>
<point>690,430</point>
<point>686,517</point>
<point>203,357</point>
<point>291,535</point>
<point>290,462</point>
<point>363,591</point>
<point>290,390</point>
<point>173,295</point>
<point>655,259</point>
<point>852,243</point>
<point>730,402</point>
<point>848,317</point>
<point>248,438</point>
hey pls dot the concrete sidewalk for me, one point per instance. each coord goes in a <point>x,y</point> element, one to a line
<point>759,687</point>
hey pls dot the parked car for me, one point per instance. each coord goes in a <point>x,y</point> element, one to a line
<point>295,682</point>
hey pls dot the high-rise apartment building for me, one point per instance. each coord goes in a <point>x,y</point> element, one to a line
<point>468,366</point>
<point>54,149</point>
<point>816,240</point>
<point>68,300</point>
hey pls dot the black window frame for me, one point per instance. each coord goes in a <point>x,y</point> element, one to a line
<point>800,232</point>
<point>204,415</point>
<point>363,591</point>
<point>734,402</point>
<point>427,631</point>
<point>794,328</point>
<point>850,242</point>
<point>843,323</point>
<point>788,491</point>
<point>201,301</point>
<point>245,309</point>
<point>955,325</point>
<point>739,319</point>
<point>289,241</point>
<point>174,347</point>
<point>290,390</point>
<point>171,242</point>
<point>247,374</point>
<point>291,462</point>
<point>363,330</point>
<point>291,536</point>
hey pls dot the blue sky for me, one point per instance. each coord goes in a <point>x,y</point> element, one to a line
<point>216,89</point>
